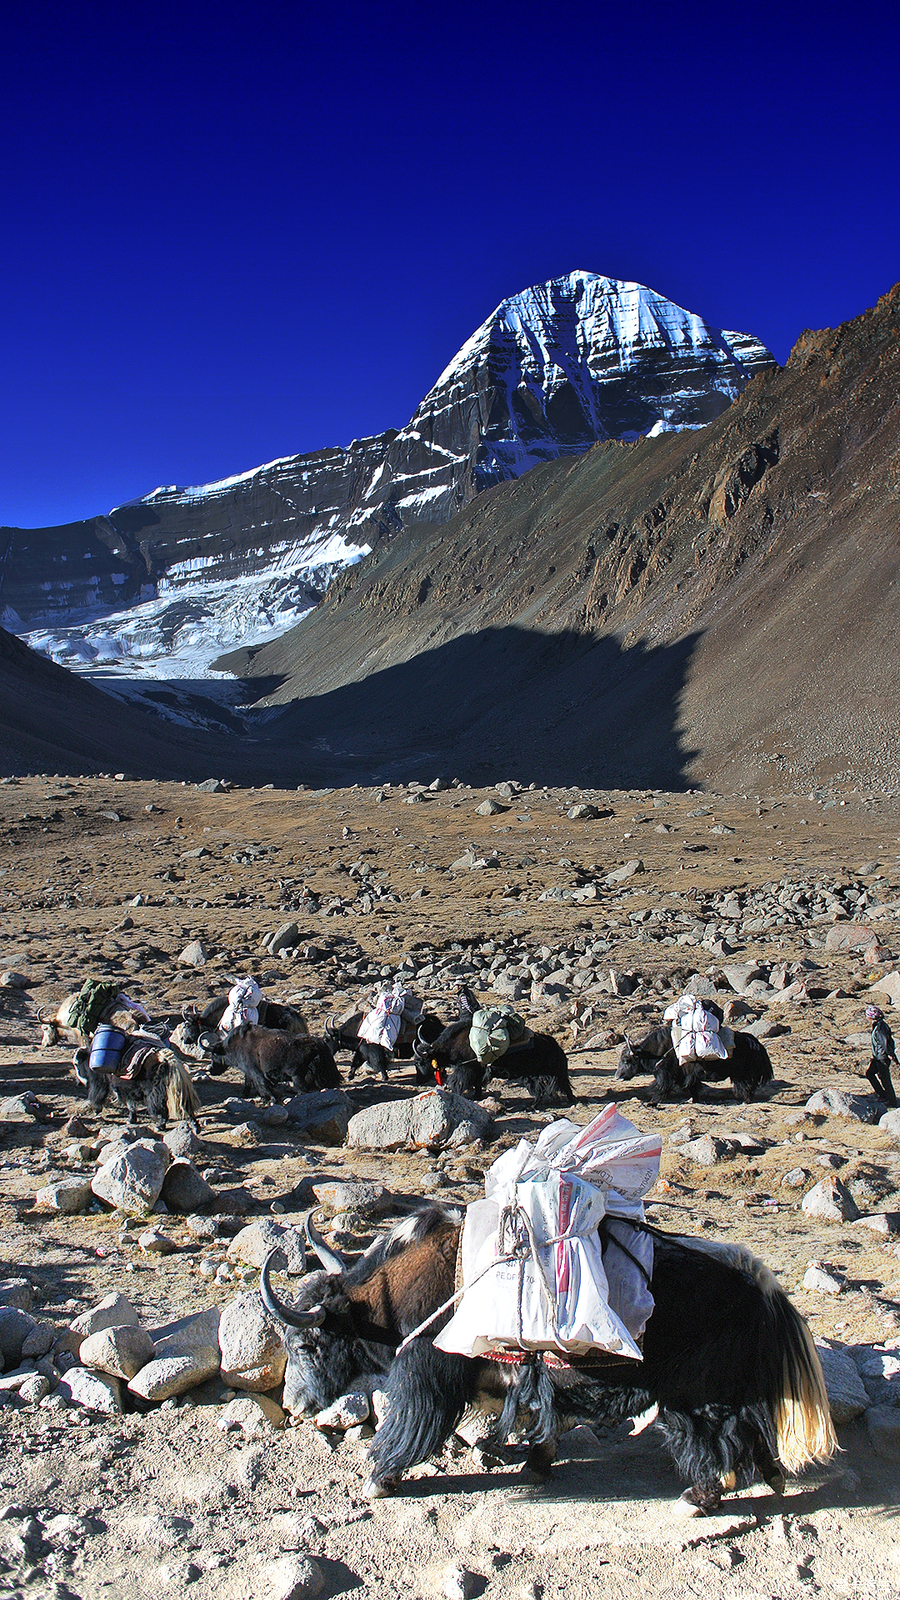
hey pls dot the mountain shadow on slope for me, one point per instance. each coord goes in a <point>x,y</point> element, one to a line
<point>561,709</point>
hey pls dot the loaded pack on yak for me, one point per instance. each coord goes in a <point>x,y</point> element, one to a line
<point>698,1034</point>
<point>138,1070</point>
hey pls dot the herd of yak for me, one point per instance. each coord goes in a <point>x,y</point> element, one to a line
<point>729,1372</point>
<point>278,1056</point>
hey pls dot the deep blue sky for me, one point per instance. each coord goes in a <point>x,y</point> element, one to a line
<point>234,233</point>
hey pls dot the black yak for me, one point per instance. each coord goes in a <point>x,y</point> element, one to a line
<point>273,1061</point>
<point>728,1362</point>
<point>748,1067</point>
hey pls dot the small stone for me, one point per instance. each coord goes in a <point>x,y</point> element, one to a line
<point>489,808</point>
<point>35,1387</point>
<point>15,980</point>
<point>819,1279</point>
<point>251,1414</point>
<point>891,1123</point>
<point>622,874</point>
<point>831,1201</point>
<point>71,1197</point>
<point>156,1243</point>
<point>459,1583</point>
<point>707,1151</point>
<point>294,1578</point>
<point>367,1199</point>
<point>194,954</point>
<point>182,1141</point>
<point>347,1412</point>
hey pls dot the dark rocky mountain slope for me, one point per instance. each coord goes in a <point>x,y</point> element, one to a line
<point>717,606</point>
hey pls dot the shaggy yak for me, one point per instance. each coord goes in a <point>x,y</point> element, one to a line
<point>345,1036</point>
<point>748,1067</point>
<point>199,1028</point>
<point>539,1063</point>
<point>273,1061</point>
<point>728,1364</point>
<point>147,1075</point>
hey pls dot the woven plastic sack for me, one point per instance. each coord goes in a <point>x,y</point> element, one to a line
<point>382,1025</point>
<point>534,1272</point>
<point>243,1004</point>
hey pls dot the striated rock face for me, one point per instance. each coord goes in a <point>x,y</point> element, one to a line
<point>183,573</point>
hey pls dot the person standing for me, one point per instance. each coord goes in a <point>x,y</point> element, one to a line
<point>884,1051</point>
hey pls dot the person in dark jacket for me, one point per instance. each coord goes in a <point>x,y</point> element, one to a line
<point>884,1051</point>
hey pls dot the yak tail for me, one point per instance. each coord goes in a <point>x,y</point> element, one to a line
<point>800,1411</point>
<point>182,1099</point>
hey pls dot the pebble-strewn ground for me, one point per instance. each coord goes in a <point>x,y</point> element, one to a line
<point>99,877</point>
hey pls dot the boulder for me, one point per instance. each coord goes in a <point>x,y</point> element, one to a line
<point>21,1108</point>
<point>891,1123</point>
<point>15,1326</point>
<point>115,1311</point>
<point>184,1190</point>
<point>489,808</point>
<point>322,1116</point>
<point>838,1103</point>
<point>846,1391</point>
<point>16,1292</point>
<point>830,1201</point>
<point>849,936</point>
<point>253,1243</point>
<point>743,973</point>
<point>132,1180</point>
<point>253,1355</point>
<point>119,1352</point>
<point>187,1353</point>
<point>294,1578</point>
<point>92,1390</point>
<point>367,1199</point>
<point>181,1140</point>
<point>879,1368</point>
<point>425,1122</point>
<point>583,812</point>
<point>883,1424</point>
<point>287,937</point>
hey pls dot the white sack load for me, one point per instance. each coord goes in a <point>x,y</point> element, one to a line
<point>534,1273</point>
<point>696,1033</point>
<point>382,1025</point>
<point>243,1004</point>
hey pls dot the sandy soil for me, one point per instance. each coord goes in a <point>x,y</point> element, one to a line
<point>164,1499</point>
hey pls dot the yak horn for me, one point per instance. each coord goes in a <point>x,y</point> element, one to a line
<point>329,1258</point>
<point>285,1314</point>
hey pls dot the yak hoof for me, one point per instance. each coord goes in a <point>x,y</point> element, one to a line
<point>375,1490</point>
<point>698,1502</point>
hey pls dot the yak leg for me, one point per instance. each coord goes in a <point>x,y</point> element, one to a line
<point>427,1392</point>
<point>539,1461</point>
<point>667,1079</point>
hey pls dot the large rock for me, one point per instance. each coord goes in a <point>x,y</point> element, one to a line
<point>879,1368</point>
<point>322,1116</point>
<point>838,1103</point>
<point>253,1243</point>
<point>132,1180</point>
<point>890,1122</point>
<point>194,954</point>
<point>16,1292</point>
<point>15,1326</point>
<point>187,1353</point>
<point>707,1151</point>
<point>883,1424</point>
<point>743,973</point>
<point>830,1201</point>
<point>119,1352</point>
<point>849,936</point>
<point>426,1122</point>
<point>71,1197</point>
<point>366,1199</point>
<point>114,1311</point>
<point>181,1140</point>
<point>252,1352</point>
<point>622,874</point>
<point>92,1390</point>
<point>184,1190</point>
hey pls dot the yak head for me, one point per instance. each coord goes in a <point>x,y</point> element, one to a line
<point>324,1359</point>
<point>630,1063</point>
